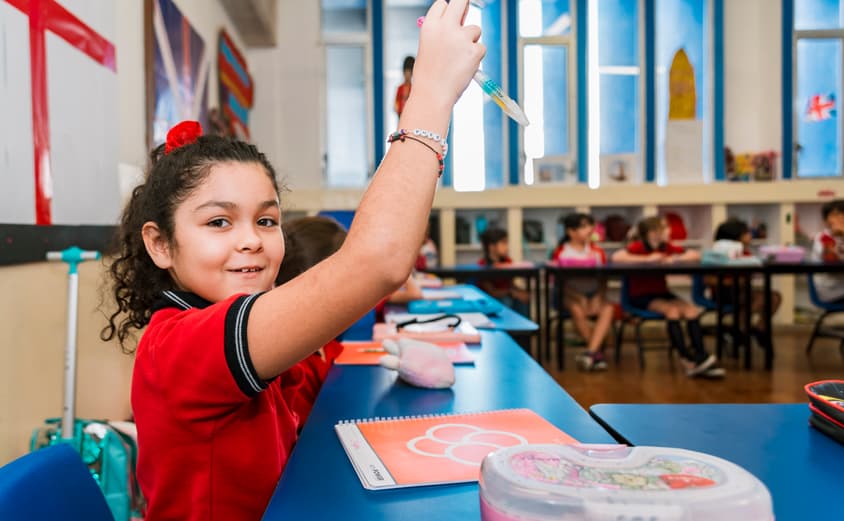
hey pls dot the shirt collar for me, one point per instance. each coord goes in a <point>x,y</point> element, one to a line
<point>180,299</point>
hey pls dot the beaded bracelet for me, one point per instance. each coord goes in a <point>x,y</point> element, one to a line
<point>401,135</point>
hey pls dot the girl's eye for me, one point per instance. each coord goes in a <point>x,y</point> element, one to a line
<point>218,223</point>
<point>269,222</point>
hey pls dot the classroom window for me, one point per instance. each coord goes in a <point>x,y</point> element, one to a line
<point>683,41</point>
<point>401,39</point>
<point>546,47</point>
<point>348,93</point>
<point>819,38</point>
<point>615,111</point>
<point>477,129</point>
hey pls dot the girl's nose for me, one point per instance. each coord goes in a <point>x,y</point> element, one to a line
<point>249,239</point>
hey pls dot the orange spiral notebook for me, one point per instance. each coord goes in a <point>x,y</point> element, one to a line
<point>437,449</point>
<point>369,353</point>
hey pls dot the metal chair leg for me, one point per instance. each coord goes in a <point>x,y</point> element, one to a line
<point>640,344</point>
<point>815,333</point>
<point>619,336</point>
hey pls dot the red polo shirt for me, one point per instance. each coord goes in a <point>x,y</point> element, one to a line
<point>213,438</point>
<point>649,284</point>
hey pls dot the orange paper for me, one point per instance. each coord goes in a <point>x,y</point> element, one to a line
<point>369,353</point>
<point>406,452</point>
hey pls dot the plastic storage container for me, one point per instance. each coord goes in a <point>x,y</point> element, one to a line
<point>616,482</point>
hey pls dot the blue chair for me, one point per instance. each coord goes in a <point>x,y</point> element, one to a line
<point>637,315</point>
<point>828,308</point>
<point>51,483</point>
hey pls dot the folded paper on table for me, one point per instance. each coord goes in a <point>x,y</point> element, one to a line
<point>488,306</point>
<point>369,353</point>
<point>437,449</point>
<point>465,332</point>
<point>440,294</point>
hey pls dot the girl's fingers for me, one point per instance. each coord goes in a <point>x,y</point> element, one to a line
<point>437,8</point>
<point>474,32</point>
<point>457,9</point>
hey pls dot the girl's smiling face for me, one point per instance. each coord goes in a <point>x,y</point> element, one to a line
<point>227,236</point>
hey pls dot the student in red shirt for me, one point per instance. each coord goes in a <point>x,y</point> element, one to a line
<point>496,254</point>
<point>403,90</point>
<point>651,292</point>
<point>200,249</point>
<point>585,298</point>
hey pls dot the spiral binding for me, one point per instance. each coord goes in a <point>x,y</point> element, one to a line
<point>376,419</point>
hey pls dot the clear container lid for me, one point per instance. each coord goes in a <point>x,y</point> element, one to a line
<point>612,482</point>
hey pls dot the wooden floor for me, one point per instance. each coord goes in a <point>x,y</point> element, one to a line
<point>662,380</point>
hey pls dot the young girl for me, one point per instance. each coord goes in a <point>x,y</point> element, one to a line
<point>496,254</point>
<point>651,292</point>
<point>733,235</point>
<point>200,248</point>
<point>585,298</point>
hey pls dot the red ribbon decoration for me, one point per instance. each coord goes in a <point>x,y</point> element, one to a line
<point>182,134</point>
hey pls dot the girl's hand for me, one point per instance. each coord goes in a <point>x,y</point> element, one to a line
<point>655,257</point>
<point>449,54</point>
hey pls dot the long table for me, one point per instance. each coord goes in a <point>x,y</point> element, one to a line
<point>506,319</point>
<point>743,272</point>
<point>800,466</point>
<point>319,481</point>
<point>470,272</point>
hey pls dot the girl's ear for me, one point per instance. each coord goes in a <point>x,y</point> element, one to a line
<point>157,246</point>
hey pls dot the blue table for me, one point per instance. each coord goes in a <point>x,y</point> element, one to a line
<point>319,481</point>
<point>800,466</point>
<point>506,319</point>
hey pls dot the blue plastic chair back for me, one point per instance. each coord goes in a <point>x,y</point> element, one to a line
<point>51,483</point>
<point>344,217</point>
<point>360,330</point>
<point>816,299</point>
<point>628,307</point>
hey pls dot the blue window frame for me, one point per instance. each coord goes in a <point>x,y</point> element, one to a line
<point>812,123</point>
<point>546,59</point>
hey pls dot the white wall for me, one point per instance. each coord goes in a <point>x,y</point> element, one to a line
<point>752,75</point>
<point>289,86</point>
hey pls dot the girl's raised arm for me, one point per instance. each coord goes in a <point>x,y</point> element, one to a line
<point>295,319</point>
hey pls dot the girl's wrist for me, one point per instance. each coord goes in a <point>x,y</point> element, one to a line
<point>426,112</point>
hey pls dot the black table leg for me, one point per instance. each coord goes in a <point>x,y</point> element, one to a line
<point>748,354</point>
<point>768,323</point>
<point>561,359</point>
<point>719,309</point>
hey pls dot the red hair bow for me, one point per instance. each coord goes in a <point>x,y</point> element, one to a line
<point>182,134</point>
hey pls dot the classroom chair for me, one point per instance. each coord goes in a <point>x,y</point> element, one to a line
<point>51,483</point>
<point>827,308</point>
<point>638,316</point>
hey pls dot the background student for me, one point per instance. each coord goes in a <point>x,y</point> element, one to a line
<point>650,292</point>
<point>585,298</point>
<point>496,249</point>
<point>828,246</point>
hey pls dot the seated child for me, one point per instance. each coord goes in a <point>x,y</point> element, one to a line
<point>496,254</point>
<point>651,292</point>
<point>828,246</point>
<point>585,298</point>
<point>734,235</point>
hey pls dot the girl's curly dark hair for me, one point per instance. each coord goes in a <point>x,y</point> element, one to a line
<point>171,178</point>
